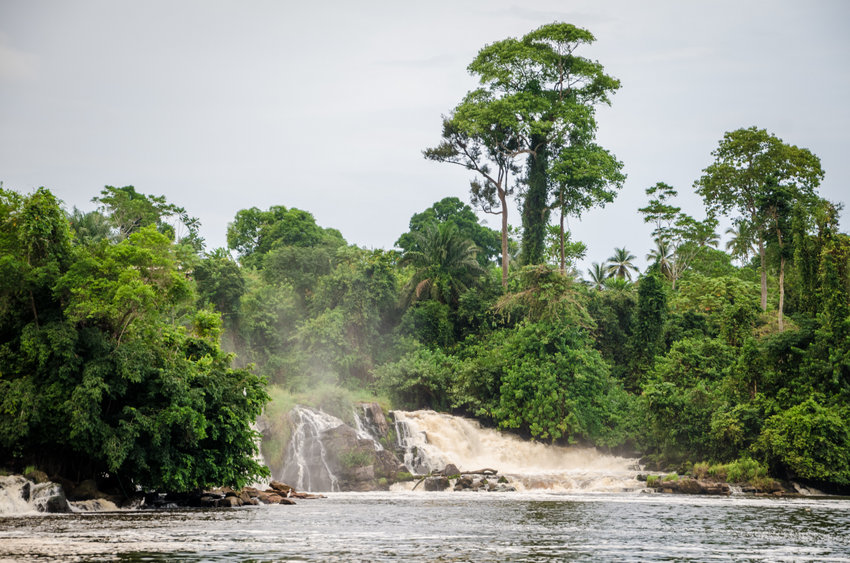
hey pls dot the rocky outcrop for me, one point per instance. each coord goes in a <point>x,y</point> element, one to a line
<point>18,495</point>
<point>688,486</point>
<point>356,463</point>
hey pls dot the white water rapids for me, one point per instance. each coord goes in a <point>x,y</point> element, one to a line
<point>432,440</point>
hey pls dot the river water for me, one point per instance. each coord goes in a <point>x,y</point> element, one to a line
<point>462,526</point>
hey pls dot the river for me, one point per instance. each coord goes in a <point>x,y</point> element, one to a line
<point>450,526</point>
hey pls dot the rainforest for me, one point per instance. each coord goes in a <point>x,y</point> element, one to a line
<point>129,349</point>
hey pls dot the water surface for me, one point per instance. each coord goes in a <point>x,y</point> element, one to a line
<point>450,527</point>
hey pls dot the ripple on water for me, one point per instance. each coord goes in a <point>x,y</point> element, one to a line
<point>450,527</point>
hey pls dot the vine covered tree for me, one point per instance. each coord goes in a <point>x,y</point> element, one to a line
<point>752,167</point>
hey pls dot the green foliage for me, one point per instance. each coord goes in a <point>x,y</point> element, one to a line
<point>554,385</point>
<point>420,379</point>
<point>645,341</point>
<point>809,440</point>
<point>255,233</point>
<point>444,264</point>
<point>104,369</point>
<point>454,211</point>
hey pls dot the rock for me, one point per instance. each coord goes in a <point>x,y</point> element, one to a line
<point>95,505</point>
<point>463,482</point>
<point>272,499</point>
<point>280,487</point>
<point>286,501</point>
<point>37,476</point>
<point>245,497</point>
<point>436,483</point>
<point>49,497</point>
<point>375,419</point>
<point>86,490</point>
<point>229,502</point>
<point>688,486</point>
<point>451,470</point>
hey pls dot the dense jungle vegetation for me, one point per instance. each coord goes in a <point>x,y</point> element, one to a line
<point>126,347</point>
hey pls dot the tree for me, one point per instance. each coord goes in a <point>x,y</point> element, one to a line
<point>555,91</point>
<point>598,273</point>
<point>740,243</point>
<point>452,210</point>
<point>677,231</point>
<point>584,175</point>
<point>535,93</point>
<point>748,165</point>
<point>254,233</point>
<point>620,264</point>
<point>444,265</point>
<point>129,211</point>
<point>113,371</point>
<point>484,135</point>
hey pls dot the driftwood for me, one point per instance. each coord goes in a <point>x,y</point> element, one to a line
<point>485,471</point>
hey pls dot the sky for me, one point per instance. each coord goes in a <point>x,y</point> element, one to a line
<point>327,106</point>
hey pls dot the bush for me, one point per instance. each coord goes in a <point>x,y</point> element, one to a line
<point>810,441</point>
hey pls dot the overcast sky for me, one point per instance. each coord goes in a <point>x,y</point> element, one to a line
<point>326,106</point>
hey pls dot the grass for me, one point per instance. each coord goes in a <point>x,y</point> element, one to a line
<point>744,471</point>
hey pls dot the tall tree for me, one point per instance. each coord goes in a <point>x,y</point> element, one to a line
<point>553,92</point>
<point>584,175</point>
<point>748,164</point>
<point>484,135</point>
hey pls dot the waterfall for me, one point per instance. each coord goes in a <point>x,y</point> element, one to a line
<point>305,465</point>
<point>431,440</point>
<point>364,427</point>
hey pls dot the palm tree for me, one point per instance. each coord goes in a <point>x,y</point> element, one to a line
<point>740,246</point>
<point>620,264</point>
<point>663,256</point>
<point>444,264</point>
<point>598,273</point>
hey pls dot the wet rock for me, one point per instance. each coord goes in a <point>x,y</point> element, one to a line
<point>451,470</point>
<point>280,487</point>
<point>49,497</point>
<point>436,483</point>
<point>95,505</point>
<point>86,490</point>
<point>286,501</point>
<point>463,482</point>
<point>375,419</point>
<point>688,486</point>
<point>229,502</point>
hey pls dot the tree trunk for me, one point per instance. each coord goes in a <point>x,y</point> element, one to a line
<point>563,257</point>
<point>503,199</point>
<point>535,211</point>
<point>763,274</point>
<point>781,291</point>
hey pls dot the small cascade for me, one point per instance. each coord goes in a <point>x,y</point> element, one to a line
<point>365,426</point>
<point>432,440</point>
<point>15,495</point>
<point>306,464</point>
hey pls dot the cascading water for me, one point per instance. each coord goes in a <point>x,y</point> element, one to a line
<point>431,440</point>
<point>364,427</point>
<point>305,465</point>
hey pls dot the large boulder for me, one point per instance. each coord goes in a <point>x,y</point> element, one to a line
<point>49,497</point>
<point>438,483</point>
